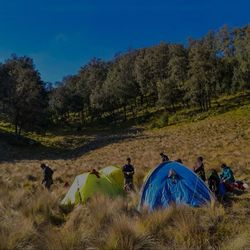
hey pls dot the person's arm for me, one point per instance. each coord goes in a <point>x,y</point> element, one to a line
<point>132,170</point>
<point>197,169</point>
<point>43,176</point>
<point>222,175</point>
<point>225,175</point>
<point>229,175</point>
<point>130,173</point>
<point>125,170</point>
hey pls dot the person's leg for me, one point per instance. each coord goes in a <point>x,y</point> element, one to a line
<point>229,186</point>
<point>131,186</point>
<point>48,184</point>
<point>128,185</point>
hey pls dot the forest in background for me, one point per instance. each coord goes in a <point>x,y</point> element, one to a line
<point>166,76</point>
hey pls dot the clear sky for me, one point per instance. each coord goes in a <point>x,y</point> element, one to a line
<point>63,35</point>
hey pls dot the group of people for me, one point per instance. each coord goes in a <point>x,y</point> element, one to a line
<point>215,181</point>
<point>218,184</point>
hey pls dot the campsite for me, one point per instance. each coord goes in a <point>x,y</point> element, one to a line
<point>31,217</point>
<point>124,125</point>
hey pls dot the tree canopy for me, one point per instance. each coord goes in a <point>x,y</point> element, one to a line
<point>166,75</point>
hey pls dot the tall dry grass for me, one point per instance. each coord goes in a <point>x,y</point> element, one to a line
<point>30,217</point>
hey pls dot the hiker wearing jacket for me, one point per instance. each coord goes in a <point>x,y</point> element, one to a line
<point>47,176</point>
<point>199,168</point>
<point>128,172</point>
<point>227,175</point>
<point>214,181</point>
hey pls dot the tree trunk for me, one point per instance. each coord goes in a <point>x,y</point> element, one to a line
<point>154,99</point>
<point>125,112</point>
<point>133,108</point>
<point>173,107</point>
<point>16,129</point>
<point>16,124</point>
<point>19,130</point>
<point>201,105</point>
<point>209,102</point>
<point>81,117</point>
<point>114,117</point>
<point>142,100</point>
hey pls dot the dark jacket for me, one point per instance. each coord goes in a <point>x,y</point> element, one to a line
<point>128,171</point>
<point>200,171</point>
<point>47,173</point>
<point>214,182</point>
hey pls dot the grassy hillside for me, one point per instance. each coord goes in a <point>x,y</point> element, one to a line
<point>31,219</point>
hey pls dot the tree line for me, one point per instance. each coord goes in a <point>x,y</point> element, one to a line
<point>166,75</point>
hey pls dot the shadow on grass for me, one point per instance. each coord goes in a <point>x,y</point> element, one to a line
<point>233,197</point>
<point>14,148</point>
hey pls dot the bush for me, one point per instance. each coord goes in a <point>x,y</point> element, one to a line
<point>160,122</point>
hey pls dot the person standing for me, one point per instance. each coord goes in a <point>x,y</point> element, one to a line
<point>47,176</point>
<point>199,168</point>
<point>128,172</point>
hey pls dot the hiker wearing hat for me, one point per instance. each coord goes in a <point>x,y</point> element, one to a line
<point>199,168</point>
<point>47,175</point>
<point>128,171</point>
<point>164,157</point>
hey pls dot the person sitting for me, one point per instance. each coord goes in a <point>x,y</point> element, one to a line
<point>47,175</point>
<point>128,171</point>
<point>199,168</point>
<point>227,174</point>
<point>227,177</point>
<point>173,176</point>
<point>214,181</point>
<point>164,157</point>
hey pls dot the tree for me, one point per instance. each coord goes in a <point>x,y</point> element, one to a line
<point>168,93</point>
<point>151,66</point>
<point>5,88</point>
<point>26,98</point>
<point>91,78</point>
<point>226,59</point>
<point>202,73</point>
<point>171,90</point>
<point>121,81</point>
<point>242,54</point>
<point>64,99</point>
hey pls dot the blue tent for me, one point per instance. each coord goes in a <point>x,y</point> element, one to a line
<point>172,182</point>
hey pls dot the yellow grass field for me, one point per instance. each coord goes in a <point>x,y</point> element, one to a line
<point>30,217</point>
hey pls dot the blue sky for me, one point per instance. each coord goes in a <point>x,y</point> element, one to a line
<point>63,35</point>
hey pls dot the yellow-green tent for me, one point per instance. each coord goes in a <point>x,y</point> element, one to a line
<point>115,174</point>
<point>85,186</point>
